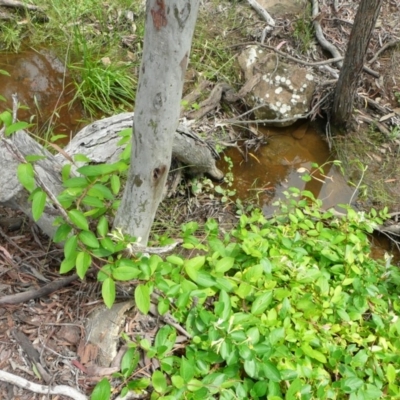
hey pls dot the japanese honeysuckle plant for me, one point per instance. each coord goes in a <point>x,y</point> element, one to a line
<point>290,307</point>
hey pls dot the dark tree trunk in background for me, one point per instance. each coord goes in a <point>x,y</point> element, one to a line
<point>168,36</point>
<point>346,88</point>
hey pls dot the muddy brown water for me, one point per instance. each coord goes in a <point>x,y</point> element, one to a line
<point>289,153</point>
<point>44,89</point>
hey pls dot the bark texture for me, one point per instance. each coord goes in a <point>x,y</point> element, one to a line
<point>169,30</point>
<point>364,23</point>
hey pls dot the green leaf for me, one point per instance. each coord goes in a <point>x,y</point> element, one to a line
<point>76,182</point>
<point>271,371</point>
<point>62,233</point>
<point>102,391</point>
<point>102,226</point>
<point>391,373</point>
<point>102,169</point>
<point>195,263</point>
<point>81,158</point>
<point>6,117</point>
<point>83,261</point>
<point>126,273</point>
<point>16,126</point>
<point>310,352</point>
<point>70,246</point>
<point>101,191</point>
<point>186,370</point>
<point>89,239</point>
<point>65,172</point>
<point>115,184</point>
<point>78,219</point>
<point>38,204</point>
<point>67,265</point>
<point>34,157</point>
<point>352,384</point>
<point>108,292</point>
<point>175,260</point>
<point>194,385</point>
<point>293,393</point>
<point>225,264</point>
<point>142,298</point>
<point>26,176</point>
<point>159,382</point>
<point>261,303</point>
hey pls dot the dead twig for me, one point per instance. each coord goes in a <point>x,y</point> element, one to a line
<point>381,50</point>
<point>37,293</point>
<point>23,383</point>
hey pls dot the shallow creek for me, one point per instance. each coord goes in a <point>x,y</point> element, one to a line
<point>279,164</point>
<point>44,91</point>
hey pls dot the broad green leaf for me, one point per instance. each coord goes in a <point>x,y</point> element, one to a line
<point>129,361</point>
<point>34,157</point>
<point>108,292</point>
<point>67,265</point>
<point>173,259</point>
<point>126,273</point>
<point>101,191</point>
<point>102,391</point>
<point>83,261</point>
<point>16,126</point>
<point>391,373</point>
<point>62,233</point>
<point>352,384</point>
<point>38,204</point>
<point>159,382</point>
<point>142,298</point>
<point>101,169</point>
<point>115,184</point>
<point>194,385</point>
<point>6,117</point>
<point>250,366</point>
<point>102,226</point>
<point>93,202</point>
<point>310,352</point>
<point>186,370</point>
<point>224,265</point>
<point>89,239</point>
<point>81,158</point>
<point>70,246</point>
<point>108,244</point>
<point>195,263</point>
<point>65,172</point>
<point>78,219</point>
<point>293,393</point>
<point>261,303</point>
<point>26,176</point>
<point>76,182</point>
<point>271,371</point>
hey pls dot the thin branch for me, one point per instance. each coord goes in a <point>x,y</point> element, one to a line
<point>320,35</point>
<point>380,51</point>
<point>23,383</point>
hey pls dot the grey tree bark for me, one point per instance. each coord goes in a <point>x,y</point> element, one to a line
<point>364,23</point>
<point>169,30</point>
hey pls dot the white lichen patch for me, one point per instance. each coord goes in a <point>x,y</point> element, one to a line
<point>278,104</point>
<point>251,57</point>
<point>267,95</point>
<point>278,90</point>
<point>309,77</point>
<point>277,78</point>
<point>284,109</point>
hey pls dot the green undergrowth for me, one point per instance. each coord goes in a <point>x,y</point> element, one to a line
<point>290,307</point>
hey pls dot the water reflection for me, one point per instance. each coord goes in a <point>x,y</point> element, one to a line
<point>276,166</point>
<point>44,89</point>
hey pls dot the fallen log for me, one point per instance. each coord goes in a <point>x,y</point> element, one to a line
<point>99,142</point>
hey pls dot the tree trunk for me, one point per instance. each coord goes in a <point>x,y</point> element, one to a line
<point>168,36</point>
<point>346,88</point>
